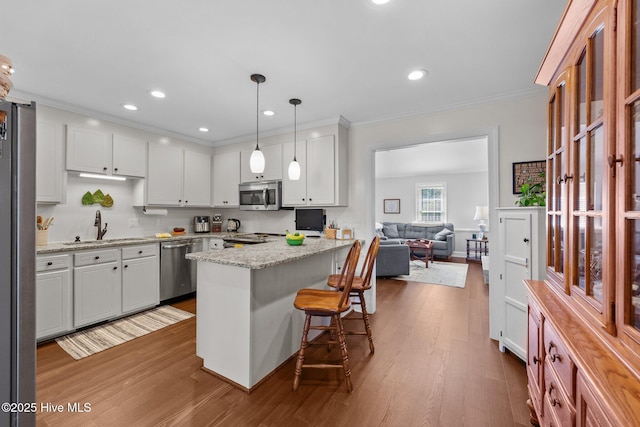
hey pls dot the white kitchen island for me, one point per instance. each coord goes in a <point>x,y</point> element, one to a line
<point>246,324</point>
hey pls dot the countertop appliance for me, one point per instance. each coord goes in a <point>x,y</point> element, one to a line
<point>216,222</point>
<point>17,260</point>
<point>201,224</point>
<point>233,225</point>
<point>260,196</point>
<point>178,275</point>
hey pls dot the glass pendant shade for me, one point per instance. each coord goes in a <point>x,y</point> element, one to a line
<point>294,170</point>
<point>256,161</point>
<point>294,166</point>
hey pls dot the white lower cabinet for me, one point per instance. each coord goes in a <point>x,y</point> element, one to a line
<point>106,283</point>
<point>97,286</point>
<point>140,278</point>
<point>522,257</point>
<point>53,296</point>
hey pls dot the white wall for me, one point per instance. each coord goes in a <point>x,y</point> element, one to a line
<point>465,191</point>
<point>519,126</point>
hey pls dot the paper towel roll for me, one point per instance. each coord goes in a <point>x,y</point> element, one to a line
<point>148,211</point>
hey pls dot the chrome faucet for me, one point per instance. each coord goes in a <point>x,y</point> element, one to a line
<point>98,223</point>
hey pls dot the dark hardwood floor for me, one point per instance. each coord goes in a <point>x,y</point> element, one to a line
<point>434,365</point>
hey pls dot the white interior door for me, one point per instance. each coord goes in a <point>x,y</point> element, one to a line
<point>515,232</point>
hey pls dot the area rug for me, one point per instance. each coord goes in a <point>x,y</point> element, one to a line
<point>438,273</point>
<point>91,341</point>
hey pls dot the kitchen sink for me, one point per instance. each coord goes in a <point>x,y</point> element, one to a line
<point>245,238</point>
<point>106,241</point>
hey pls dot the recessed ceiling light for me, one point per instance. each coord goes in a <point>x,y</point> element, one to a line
<point>417,74</point>
<point>379,1</point>
<point>268,112</point>
<point>130,107</point>
<point>203,129</point>
<point>157,94</point>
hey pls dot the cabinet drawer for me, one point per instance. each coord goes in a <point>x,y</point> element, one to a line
<point>139,251</point>
<point>557,405</point>
<point>52,262</point>
<point>557,357</point>
<point>96,257</point>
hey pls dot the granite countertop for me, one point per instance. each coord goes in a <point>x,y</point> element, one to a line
<point>118,242</point>
<point>262,255</point>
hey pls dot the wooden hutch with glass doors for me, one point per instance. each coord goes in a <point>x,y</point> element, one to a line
<point>583,353</point>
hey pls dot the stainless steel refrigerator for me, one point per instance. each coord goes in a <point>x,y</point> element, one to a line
<point>17,262</point>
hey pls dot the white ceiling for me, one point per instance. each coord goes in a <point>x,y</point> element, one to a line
<point>433,158</point>
<point>344,58</point>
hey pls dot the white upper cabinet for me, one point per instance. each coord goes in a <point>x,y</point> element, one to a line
<point>164,175</point>
<point>272,165</point>
<point>197,179</point>
<point>226,177</point>
<point>321,177</point>
<point>95,151</point>
<point>324,173</point>
<point>88,150</point>
<point>294,193</point>
<point>178,177</point>
<point>50,174</point>
<point>129,156</point>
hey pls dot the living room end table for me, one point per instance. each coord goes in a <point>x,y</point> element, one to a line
<point>476,249</point>
<point>420,250</point>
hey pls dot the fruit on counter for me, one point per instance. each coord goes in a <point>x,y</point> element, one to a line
<point>178,229</point>
<point>294,236</point>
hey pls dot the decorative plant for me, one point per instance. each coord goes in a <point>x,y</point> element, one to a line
<point>532,194</point>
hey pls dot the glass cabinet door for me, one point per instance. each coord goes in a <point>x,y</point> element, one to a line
<point>556,190</point>
<point>625,163</point>
<point>592,284</point>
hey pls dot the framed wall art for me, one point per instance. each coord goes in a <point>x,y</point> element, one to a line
<point>523,171</point>
<point>392,206</point>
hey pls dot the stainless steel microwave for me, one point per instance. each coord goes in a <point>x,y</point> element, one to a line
<point>261,196</point>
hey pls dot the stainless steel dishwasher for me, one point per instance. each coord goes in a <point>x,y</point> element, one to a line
<point>178,275</point>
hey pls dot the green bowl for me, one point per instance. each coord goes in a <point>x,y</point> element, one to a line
<point>293,242</point>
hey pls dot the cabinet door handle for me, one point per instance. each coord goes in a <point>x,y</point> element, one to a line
<point>97,257</point>
<point>525,240</point>
<point>125,266</point>
<point>115,268</point>
<point>104,168</point>
<point>115,169</point>
<point>553,357</point>
<point>139,252</point>
<point>535,360</point>
<point>50,263</point>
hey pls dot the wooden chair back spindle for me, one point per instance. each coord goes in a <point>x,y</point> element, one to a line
<point>348,272</point>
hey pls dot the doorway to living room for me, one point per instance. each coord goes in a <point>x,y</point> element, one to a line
<point>441,181</point>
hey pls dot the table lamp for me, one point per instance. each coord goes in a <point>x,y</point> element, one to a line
<point>482,214</point>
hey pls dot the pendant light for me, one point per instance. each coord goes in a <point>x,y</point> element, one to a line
<point>256,161</point>
<point>294,166</point>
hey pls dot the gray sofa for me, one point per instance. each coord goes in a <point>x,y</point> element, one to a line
<point>392,259</point>
<point>444,241</point>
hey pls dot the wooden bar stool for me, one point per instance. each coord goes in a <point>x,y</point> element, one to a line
<point>360,284</point>
<point>327,303</point>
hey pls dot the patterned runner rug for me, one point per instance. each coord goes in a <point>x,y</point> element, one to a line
<point>90,341</point>
<point>438,273</point>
